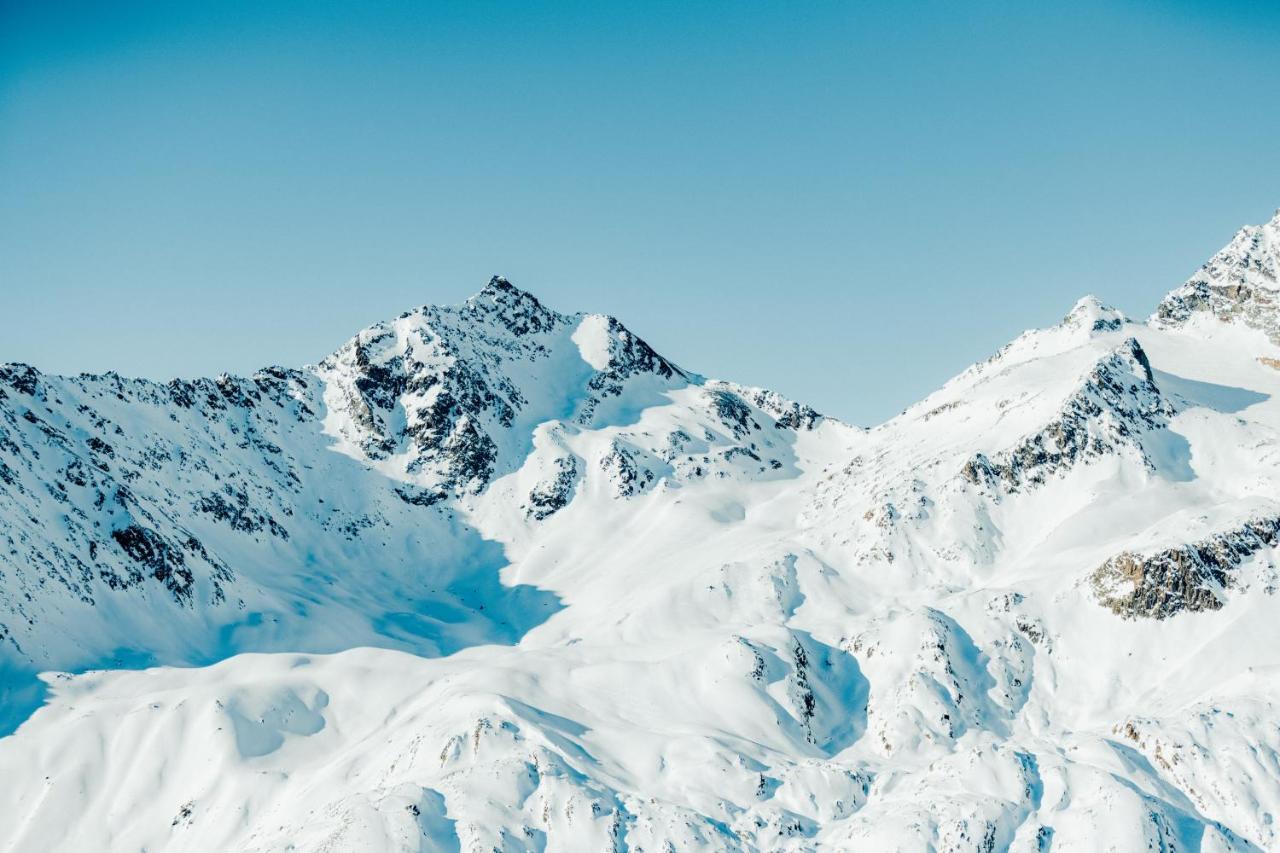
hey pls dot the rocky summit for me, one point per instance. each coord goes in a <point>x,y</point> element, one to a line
<point>492,577</point>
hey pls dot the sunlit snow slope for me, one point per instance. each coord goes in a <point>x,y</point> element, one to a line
<point>492,577</point>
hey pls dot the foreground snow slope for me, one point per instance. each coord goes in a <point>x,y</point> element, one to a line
<point>494,577</point>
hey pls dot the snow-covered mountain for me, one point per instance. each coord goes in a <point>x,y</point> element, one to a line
<point>492,577</point>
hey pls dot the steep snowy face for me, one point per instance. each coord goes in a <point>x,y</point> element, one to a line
<point>511,580</point>
<point>109,486</point>
<point>1239,284</point>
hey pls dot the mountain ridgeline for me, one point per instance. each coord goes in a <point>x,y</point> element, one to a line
<point>493,577</point>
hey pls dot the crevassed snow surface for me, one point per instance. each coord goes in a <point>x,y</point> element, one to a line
<point>492,577</point>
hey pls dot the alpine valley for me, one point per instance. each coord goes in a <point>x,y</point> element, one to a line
<point>495,578</point>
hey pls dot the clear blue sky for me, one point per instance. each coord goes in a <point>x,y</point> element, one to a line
<point>848,202</point>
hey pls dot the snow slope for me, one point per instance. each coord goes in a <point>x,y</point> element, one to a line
<point>492,577</point>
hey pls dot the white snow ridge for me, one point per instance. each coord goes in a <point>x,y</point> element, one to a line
<point>492,577</point>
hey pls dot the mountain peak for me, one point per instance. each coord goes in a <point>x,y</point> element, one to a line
<point>518,310</point>
<point>448,396</point>
<point>498,287</point>
<point>1239,283</point>
<point>1090,312</point>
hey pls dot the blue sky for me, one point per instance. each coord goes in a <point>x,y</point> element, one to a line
<point>846,202</point>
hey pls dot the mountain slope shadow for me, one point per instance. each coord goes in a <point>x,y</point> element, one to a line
<point>374,569</point>
<point>1226,399</point>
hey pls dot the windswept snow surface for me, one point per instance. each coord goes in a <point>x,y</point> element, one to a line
<point>492,577</point>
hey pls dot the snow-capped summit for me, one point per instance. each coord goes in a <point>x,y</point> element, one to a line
<point>1090,313</point>
<point>447,397</point>
<point>1241,284</point>
<point>518,309</point>
<point>495,577</point>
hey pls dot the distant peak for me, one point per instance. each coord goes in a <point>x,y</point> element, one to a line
<point>518,310</point>
<point>1091,313</point>
<point>1238,284</point>
<point>1252,259</point>
<point>500,289</point>
<point>1088,302</point>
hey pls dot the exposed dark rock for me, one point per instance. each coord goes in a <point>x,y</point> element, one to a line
<point>733,412</point>
<point>97,445</point>
<point>443,385</point>
<point>233,507</point>
<point>550,497</point>
<point>1191,577</point>
<point>1117,402</point>
<point>22,378</point>
<point>518,311</point>
<point>419,497</point>
<point>166,563</point>
<point>626,475</point>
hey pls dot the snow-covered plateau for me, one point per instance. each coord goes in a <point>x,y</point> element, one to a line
<point>492,577</point>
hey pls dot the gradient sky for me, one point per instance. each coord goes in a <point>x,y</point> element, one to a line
<point>846,202</point>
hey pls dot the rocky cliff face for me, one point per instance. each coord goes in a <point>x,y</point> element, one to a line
<point>1188,577</point>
